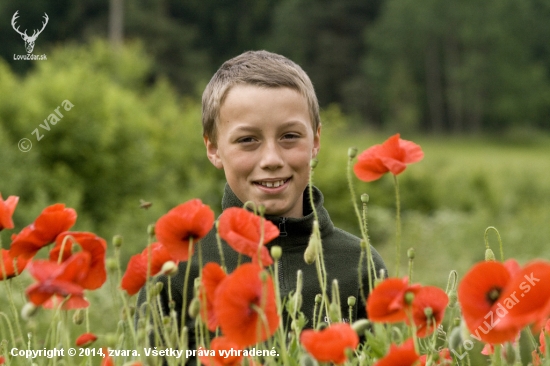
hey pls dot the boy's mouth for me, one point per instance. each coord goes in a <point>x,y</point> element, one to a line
<point>272,183</point>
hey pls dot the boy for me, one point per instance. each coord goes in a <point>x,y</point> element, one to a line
<point>261,126</point>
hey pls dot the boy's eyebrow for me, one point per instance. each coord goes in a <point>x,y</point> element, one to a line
<point>247,128</point>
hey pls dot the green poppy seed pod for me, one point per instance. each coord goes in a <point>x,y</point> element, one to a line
<point>318,298</point>
<point>78,317</point>
<point>352,152</point>
<point>307,360</point>
<point>361,326</point>
<point>194,308</point>
<point>334,313</point>
<point>111,264</point>
<point>151,229</point>
<point>489,255</point>
<point>352,300</point>
<point>157,289</point>
<point>276,252</point>
<point>411,253</point>
<point>365,198</point>
<point>117,241</point>
<point>310,254</point>
<point>28,310</point>
<point>409,297</point>
<point>169,268</point>
<point>428,311</point>
<point>313,163</point>
<point>264,276</point>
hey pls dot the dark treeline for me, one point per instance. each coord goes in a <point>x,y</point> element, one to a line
<point>407,65</point>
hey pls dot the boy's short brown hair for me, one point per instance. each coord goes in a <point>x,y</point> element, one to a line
<point>259,68</point>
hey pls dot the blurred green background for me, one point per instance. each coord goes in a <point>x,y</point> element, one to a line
<point>468,81</point>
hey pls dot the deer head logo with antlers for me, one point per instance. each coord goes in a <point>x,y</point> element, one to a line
<point>29,41</point>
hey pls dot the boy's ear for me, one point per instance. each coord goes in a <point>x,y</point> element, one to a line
<point>212,153</point>
<point>316,142</point>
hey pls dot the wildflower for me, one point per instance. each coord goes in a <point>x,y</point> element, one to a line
<point>242,230</point>
<point>225,351</point>
<point>107,360</point>
<point>511,296</point>
<point>7,208</point>
<point>84,340</point>
<point>428,309</point>
<point>330,344</point>
<point>391,156</point>
<point>11,269</point>
<point>53,220</point>
<point>404,355</point>
<point>443,358</point>
<point>212,276</point>
<point>239,299</point>
<point>191,220</point>
<point>59,281</point>
<point>387,303</point>
<point>136,273</point>
<point>90,243</point>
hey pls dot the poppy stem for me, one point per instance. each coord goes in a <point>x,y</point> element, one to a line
<point>397,225</point>
<point>499,241</point>
<point>186,282</point>
<point>220,248</point>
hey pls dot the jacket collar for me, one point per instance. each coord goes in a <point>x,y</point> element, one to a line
<point>299,229</point>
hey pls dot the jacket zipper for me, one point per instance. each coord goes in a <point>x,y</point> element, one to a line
<point>282,227</point>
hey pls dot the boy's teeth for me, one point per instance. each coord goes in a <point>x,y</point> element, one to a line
<point>273,184</point>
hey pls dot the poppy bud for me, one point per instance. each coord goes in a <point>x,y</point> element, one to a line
<point>194,308</point>
<point>169,268</point>
<point>151,230</point>
<point>455,339</point>
<point>410,253</point>
<point>110,340</point>
<point>28,310</point>
<point>453,298</point>
<point>352,300</point>
<point>489,255</point>
<point>428,312</point>
<point>409,297</point>
<point>261,210</point>
<point>78,317</point>
<point>157,289</point>
<point>361,326</point>
<point>334,313</point>
<point>318,298</point>
<point>310,254</point>
<point>117,241</point>
<point>276,252</point>
<point>313,163</point>
<point>365,198</point>
<point>352,152</point>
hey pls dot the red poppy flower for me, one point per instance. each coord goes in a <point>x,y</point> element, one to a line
<point>59,279</point>
<point>2,360</point>
<point>386,303</point>
<point>403,355</point>
<point>330,344</point>
<point>212,276</point>
<point>228,353</point>
<point>11,269</point>
<point>428,309</point>
<point>391,156</point>
<point>496,304</point>
<point>237,301</point>
<point>190,220</point>
<point>48,225</point>
<point>7,208</point>
<point>443,358</point>
<point>136,273</point>
<point>242,230</point>
<point>84,340</point>
<point>90,243</point>
<point>107,360</point>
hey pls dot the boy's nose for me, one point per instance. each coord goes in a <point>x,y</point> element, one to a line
<point>271,157</point>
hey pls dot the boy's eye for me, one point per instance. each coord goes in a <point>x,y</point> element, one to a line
<point>290,136</point>
<point>244,140</point>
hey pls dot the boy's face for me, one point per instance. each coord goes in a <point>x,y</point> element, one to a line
<point>265,144</point>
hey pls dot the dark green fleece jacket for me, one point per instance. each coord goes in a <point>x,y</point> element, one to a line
<point>341,253</point>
